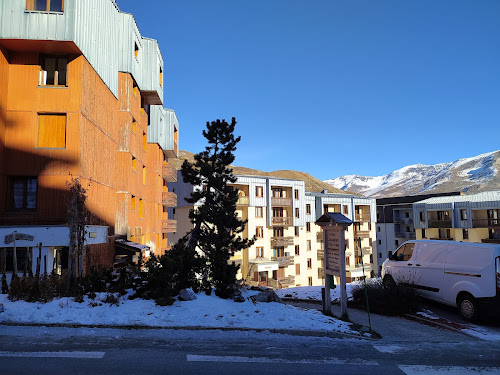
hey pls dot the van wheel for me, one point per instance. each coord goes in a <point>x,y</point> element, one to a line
<point>388,282</point>
<point>468,308</point>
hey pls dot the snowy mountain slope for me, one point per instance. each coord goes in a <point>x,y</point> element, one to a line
<point>469,175</point>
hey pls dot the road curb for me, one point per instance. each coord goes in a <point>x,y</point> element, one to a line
<point>432,322</point>
<point>330,334</point>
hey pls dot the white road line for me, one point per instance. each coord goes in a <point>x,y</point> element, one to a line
<point>327,361</point>
<point>54,354</point>
<point>449,370</point>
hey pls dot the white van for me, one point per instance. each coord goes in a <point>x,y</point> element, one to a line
<point>462,274</point>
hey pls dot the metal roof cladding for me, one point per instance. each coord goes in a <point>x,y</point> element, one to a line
<point>486,196</point>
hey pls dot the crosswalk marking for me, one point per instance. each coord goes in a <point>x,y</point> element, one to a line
<point>240,359</point>
<point>449,370</point>
<point>76,354</point>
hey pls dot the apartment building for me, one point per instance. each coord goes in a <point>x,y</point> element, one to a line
<point>467,218</point>
<point>81,96</point>
<point>288,249</point>
<point>395,222</point>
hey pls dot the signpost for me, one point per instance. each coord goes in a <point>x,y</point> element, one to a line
<point>334,225</point>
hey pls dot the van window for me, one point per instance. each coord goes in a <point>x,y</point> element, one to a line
<point>405,252</point>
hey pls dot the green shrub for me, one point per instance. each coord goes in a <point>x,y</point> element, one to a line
<point>395,299</point>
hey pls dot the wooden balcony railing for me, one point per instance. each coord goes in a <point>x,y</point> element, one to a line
<point>287,281</point>
<point>169,199</point>
<point>282,221</point>
<point>319,236</point>
<point>284,261</point>
<point>362,217</point>
<point>409,235</point>
<point>321,273</point>
<point>439,223</point>
<point>485,223</point>
<point>281,202</point>
<point>281,241</point>
<point>243,201</point>
<point>168,226</point>
<point>321,254</point>
<point>361,234</point>
<point>169,172</point>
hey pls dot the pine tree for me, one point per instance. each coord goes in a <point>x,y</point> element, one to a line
<point>217,228</point>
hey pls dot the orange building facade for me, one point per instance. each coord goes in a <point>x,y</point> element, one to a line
<point>74,109</point>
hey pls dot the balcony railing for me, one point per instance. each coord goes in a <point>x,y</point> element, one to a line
<point>287,281</point>
<point>321,254</point>
<point>485,223</point>
<point>243,201</point>
<point>403,220</point>
<point>321,273</point>
<point>169,199</point>
<point>439,224</point>
<point>361,234</point>
<point>284,261</point>
<point>362,217</point>
<point>169,173</point>
<point>363,251</point>
<point>319,236</point>
<point>442,239</point>
<point>281,241</point>
<point>490,240</point>
<point>409,235</point>
<point>282,221</point>
<point>168,226</point>
<point>281,202</point>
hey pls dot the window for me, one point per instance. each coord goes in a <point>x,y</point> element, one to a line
<point>347,261</point>
<point>136,50</point>
<point>463,214</point>
<point>144,175</point>
<point>53,71</point>
<point>161,77</point>
<point>259,232</point>
<point>278,232</point>
<point>51,131</point>
<point>407,214</point>
<point>134,163</point>
<point>45,5</point>
<point>465,234</point>
<point>309,263</point>
<point>378,229</point>
<point>444,233</point>
<point>259,252</point>
<point>422,215</point>
<point>310,281</point>
<point>297,213</point>
<point>380,255</point>
<point>297,269</point>
<point>132,203</point>
<point>308,245</point>
<point>144,141</point>
<point>135,88</point>
<point>296,231</point>
<point>405,252</point>
<point>278,193</point>
<point>396,242</point>
<point>259,191</point>
<point>22,193</point>
<point>345,210</point>
<point>297,250</point>
<point>279,252</point>
<point>141,209</point>
<point>443,215</point>
<point>134,125</point>
<point>308,209</point>
<point>296,193</point>
<point>423,233</point>
<point>259,212</point>
<point>346,243</point>
<point>380,242</point>
<point>370,241</point>
<point>308,226</point>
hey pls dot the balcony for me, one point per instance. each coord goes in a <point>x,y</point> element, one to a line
<point>439,224</point>
<point>284,261</point>
<point>361,234</point>
<point>403,220</point>
<point>287,281</point>
<point>485,223</point>
<point>363,251</point>
<point>319,236</point>
<point>491,240</point>
<point>169,173</point>
<point>443,239</point>
<point>362,217</point>
<point>321,273</point>
<point>281,202</point>
<point>243,201</point>
<point>408,235</point>
<point>281,241</point>
<point>168,226</point>
<point>169,199</point>
<point>282,221</point>
<point>321,254</point>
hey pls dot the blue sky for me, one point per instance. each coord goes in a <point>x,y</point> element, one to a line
<point>332,87</point>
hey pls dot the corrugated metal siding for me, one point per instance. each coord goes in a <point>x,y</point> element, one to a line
<point>105,36</point>
<point>163,123</point>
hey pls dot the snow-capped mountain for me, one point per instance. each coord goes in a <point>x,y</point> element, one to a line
<point>469,175</point>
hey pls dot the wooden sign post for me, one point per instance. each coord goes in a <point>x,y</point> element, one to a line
<point>334,225</point>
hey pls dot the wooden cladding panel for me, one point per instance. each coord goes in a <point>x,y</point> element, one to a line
<point>51,131</point>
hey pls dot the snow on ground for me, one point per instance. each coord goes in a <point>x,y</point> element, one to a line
<point>204,311</point>
<point>313,293</point>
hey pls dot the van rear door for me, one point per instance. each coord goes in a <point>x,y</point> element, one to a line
<point>429,263</point>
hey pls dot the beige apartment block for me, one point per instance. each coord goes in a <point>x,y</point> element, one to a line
<point>288,249</point>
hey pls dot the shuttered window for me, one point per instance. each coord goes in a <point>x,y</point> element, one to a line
<point>51,131</point>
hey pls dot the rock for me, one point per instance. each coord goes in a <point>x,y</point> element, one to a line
<point>186,295</point>
<point>267,295</point>
<point>239,298</point>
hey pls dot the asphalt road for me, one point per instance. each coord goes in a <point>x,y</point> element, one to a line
<point>42,350</point>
